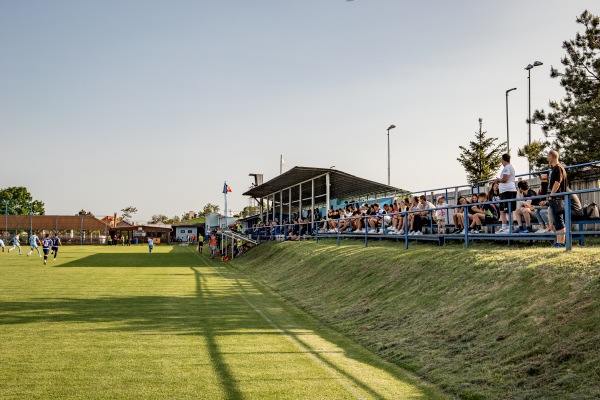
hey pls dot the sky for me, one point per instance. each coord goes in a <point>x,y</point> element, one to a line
<point>154,104</point>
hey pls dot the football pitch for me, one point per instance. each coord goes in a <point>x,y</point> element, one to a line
<point>117,322</point>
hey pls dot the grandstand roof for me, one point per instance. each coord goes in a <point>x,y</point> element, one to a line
<point>342,184</point>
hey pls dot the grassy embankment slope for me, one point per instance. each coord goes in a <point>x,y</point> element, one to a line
<point>490,322</point>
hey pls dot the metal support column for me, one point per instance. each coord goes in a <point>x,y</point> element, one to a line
<point>326,194</point>
<point>300,202</point>
<point>280,207</point>
<point>289,205</point>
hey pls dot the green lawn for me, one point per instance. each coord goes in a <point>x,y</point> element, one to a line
<point>117,322</point>
<point>491,322</point>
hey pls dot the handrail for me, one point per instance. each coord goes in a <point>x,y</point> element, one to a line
<point>482,183</point>
<point>315,228</point>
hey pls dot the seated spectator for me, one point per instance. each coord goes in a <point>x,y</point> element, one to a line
<point>459,216</point>
<point>542,214</point>
<point>423,218</point>
<point>484,214</point>
<point>576,208</point>
<point>526,209</point>
<point>415,205</point>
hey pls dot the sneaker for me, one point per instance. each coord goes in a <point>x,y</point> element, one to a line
<point>418,233</point>
<point>558,245</point>
<point>401,232</point>
<point>28,254</point>
<point>525,231</point>
<point>462,232</point>
<point>473,231</point>
<point>501,231</point>
<point>542,230</point>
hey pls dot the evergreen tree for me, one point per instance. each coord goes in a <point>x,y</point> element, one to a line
<point>574,121</point>
<point>482,158</point>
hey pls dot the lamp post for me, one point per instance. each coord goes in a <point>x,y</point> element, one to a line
<point>507,135</point>
<point>529,67</point>
<point>388,137</point>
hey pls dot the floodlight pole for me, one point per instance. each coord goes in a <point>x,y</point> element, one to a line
<point>529,67</point>
<point>507,135</point>
<point>388,143</point>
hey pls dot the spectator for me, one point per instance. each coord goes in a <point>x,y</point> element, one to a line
<point>494,195</point>
<point>484,214</point>
<point>508,191</point>
<point>423,218</point>
<point>459,216</point>
<point>541,214</point>
<point>440,214</point>
<point>415,205</point>
<point>557,184</point>
<point>527,208</point>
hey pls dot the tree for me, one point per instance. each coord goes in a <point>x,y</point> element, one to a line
<point>574,121</point>
<point>20,202</point>
<point>481,159</point>
<point>127,212</point>
<point>249,210</point>
<point>536,154</point>
<point>210,208</point>
<point>157,218</point>
<point>85,213</point>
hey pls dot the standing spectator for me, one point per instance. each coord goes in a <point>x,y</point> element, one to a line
<point>440,214</point>
<point>527,208</point>
<point>115,240</point>
<point>557,184</point>
<point>212,244</point>
<point>508,191</point>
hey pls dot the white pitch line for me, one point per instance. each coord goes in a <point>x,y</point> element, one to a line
<point>334,374</point>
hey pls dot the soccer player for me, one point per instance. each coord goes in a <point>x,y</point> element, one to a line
<point>16,243</point>
<point>150,245</point>
<point>33,244</point>
<point>55,243</point>
<point>46,244</point>
<point>2,245</point>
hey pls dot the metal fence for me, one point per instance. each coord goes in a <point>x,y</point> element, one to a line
<point>76,229</point>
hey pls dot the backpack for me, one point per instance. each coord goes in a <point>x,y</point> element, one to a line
<point>591,211</point>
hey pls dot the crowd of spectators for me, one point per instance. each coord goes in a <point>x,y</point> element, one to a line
<point>418,215</point>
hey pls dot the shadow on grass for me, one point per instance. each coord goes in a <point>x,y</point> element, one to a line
<point>133,260</point>
<point>215,310</point>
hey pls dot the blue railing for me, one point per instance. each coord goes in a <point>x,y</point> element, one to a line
<point>320,229</point>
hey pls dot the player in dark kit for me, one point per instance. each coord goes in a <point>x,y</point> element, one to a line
<point>55,243</point>
<point>46,244</point>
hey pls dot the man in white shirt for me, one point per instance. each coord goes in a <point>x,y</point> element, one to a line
<point>508,190</point>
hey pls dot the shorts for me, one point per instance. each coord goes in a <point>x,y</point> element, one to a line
<point>200,244</point>
<point>213,248</point>
<point>557,208</point>
<point>46,251</point>
<point>33,247</point>
<point>508,196</point>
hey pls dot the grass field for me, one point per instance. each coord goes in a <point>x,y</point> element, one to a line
<point>119,323</point>
<point>491,322</point>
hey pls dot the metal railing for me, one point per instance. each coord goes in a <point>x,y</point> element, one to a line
<point>321,229</point>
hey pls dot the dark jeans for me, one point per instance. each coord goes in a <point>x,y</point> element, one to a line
<point>557,208</point>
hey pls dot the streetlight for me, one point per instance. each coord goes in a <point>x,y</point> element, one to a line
<point>388,135</point>
<point>529,67</point>
<point>507,136</point>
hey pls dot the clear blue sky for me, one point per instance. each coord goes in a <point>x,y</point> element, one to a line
<point>105,104</point>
